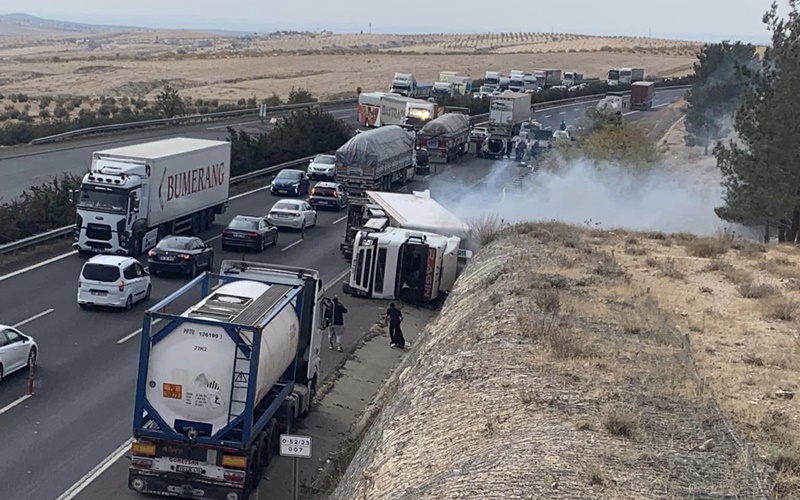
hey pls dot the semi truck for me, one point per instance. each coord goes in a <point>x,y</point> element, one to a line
<point>219,382</point>
<point>516,81</point>
<point>572,78</point>
<point>369,108</point>
<point>401,110</point>
<point>443,89</point>
<point>548,77</point>
<point>135,195</point>
<point>491,80</point>
<point>445,76</point>
<point>445,138</point>
<point>413,254</point>
<point>613,102</point>
<point>625,76</point>
<point>407,85</point>
<point>642,94</point>
<point>375,159</point>
<point>462,85</point>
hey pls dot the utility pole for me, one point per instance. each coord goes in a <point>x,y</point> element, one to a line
<point>370,28</point>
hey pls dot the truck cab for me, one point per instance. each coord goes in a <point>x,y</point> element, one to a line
<point>443,89</point>
<point>361,214</point>
<point>404,84</point>
<point>413,266</point>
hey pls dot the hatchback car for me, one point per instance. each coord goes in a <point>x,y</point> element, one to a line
<point>293,214</point>
<point>249,231</point>
<point>328,194</point>
<point>180,254</point>
<point>479,133</point>
<point>321,167</point>
<point>110,280</point>
<point>290,182</point>
<point>17,351</point>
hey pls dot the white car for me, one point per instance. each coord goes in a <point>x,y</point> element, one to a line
<point>110,280</point>
<point>295,214</point>
<point>479,132</point>
<point>561,135</point>
<point>321,167</point>
<point>17,351</point>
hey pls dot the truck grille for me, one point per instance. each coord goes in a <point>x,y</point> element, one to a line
<point>98,231</point>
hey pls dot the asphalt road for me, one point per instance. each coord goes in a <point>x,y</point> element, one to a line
<point>39,164</point>
<point>20,172</point>
<point>81,410</point>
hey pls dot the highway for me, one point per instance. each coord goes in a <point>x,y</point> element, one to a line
<point>81,410</point>
<point>31,165</point>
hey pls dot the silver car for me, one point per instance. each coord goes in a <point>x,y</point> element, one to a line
<point>17,350</point>
<point>321,167</point>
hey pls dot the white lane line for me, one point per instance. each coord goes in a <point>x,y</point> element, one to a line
<point>290,245</point>
<point>662,104</point>
<point>629,113</point>
<point>93,474</point>
<point>137,332</point>
<point>337,279</point>
<point>562,112</point>
<point>15,403</point>
<point>33,318</point>
<point>36,266</point>
<point>214,238</point>
<point>548,116</point>
<point>340,219</point>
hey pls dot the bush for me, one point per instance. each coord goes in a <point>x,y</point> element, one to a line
<point>304,133</point>
<point>44,102</point>
<point>39,209</point>
<point>299,96</point>
<point>60,112</point>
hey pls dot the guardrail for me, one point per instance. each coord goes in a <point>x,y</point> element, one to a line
<point>67,230</point>
<point>63,231</point>
<point>221,115</point>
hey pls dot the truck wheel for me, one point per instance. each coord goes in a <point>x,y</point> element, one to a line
<point>195,224</point>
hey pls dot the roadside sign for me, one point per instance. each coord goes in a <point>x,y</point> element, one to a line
<point>295,446</point>
<point>262,111</point>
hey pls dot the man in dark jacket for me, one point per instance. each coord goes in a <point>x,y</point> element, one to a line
<point>337,329</point>
<point>395,317</point>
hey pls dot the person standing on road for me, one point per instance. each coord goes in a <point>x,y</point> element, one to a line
<point>395,317</point>
<point>337,329</point>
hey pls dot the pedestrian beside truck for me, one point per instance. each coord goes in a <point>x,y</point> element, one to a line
<point>395,317</point>
<point>337,329</point>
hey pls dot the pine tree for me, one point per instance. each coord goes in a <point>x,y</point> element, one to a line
<point>760,169</point>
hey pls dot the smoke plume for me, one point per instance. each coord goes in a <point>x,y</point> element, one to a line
<point>604,196</point>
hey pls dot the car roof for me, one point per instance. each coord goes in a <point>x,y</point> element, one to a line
<point>325,184</point>
<point>110,260</point>
<point>291,170</point>
<point>247,217</point>
<point>178,238</point>
<point>289,200</point>
<point>325,156</point>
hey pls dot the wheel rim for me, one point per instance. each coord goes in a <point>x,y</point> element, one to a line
<point>129,302</point>
<point>32,357</point>
<point>149,290</point>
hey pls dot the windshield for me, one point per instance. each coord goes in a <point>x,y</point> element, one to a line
<point>241,223</point>
<point>109,200</point>
<point>613,75</point>
<point>99,272</point>
<point>325,160</point>
<point>288,174</point>
<point>173,244</point>
<point>286,206</point>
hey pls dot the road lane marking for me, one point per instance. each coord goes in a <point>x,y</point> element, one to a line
<point>340,219</point>
<point>548,116</point>
<point>337,279</point>
<point>662,104</point>
<point>629,113</point>
<point>290,245</point>
<point>15,403</point>
<point>36,266</point>
<point>33,318</point>
<point>93,474</point>
<point>137,332</point>
<point>562,112</point>
<point>213,238</point>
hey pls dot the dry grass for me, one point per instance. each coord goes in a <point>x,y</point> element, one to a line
<point>558,343</point>
<point>328,66</point>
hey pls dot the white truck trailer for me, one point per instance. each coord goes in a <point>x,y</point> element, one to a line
<point>413,254</point>
<point>135,195</point>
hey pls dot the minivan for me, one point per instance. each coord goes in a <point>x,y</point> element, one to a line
<point>114,281</point>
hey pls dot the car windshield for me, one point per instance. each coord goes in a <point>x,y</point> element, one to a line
<point>108,200</point>
<point>242,223</point>
<point>174,244</point>
<point>100,272</point>
<point>286,205</point>
<point>325,160</point>
<point>288,174</point>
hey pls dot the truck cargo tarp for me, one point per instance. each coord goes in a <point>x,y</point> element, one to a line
<point>450,123</point>
<point>369,148</point>
<point>418,211</point>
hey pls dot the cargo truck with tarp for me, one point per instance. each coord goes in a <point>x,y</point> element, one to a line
<point>445,138</point>
<point>375,159</point>
<point>220,381</point>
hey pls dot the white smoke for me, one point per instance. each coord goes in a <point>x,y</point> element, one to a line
<point>604,196</point>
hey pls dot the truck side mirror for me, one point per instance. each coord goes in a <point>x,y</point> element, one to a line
<point>71,194</point>
<point>135,202</point>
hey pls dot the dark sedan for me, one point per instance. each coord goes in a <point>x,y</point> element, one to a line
<point>291,182</point>
<point>246,231</point>
<point>180,255</point>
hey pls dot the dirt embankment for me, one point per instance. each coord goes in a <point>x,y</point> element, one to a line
<point>562,367</point>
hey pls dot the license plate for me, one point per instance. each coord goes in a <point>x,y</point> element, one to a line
<point>190,470</point>
<point>167,257</point>
<point>238,236</point>
<point>99,293</point>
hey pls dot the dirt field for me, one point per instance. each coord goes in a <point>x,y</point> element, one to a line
<point>138,65</point>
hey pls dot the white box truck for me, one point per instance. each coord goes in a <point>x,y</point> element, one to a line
<point>507,111</point>
<point>135,195</point>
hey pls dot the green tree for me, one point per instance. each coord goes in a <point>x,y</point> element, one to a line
<point>299,96</point>
<point>716,92</point>
<point>169,103</point>
<point>760,169</point>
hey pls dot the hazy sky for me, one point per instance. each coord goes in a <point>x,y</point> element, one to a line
<point>710,20</point>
